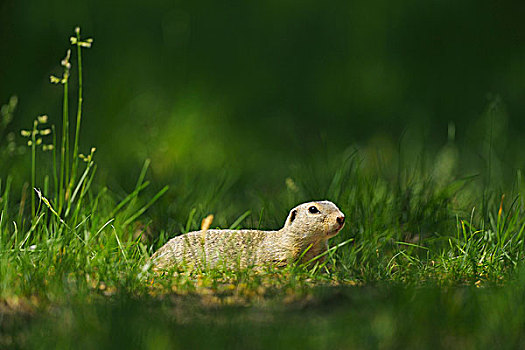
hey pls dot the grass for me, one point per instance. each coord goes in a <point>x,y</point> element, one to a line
<point>427,259</point>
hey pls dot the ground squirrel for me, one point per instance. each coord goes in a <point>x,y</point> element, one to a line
<point>307,228</point>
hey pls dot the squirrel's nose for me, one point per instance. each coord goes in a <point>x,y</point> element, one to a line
<point>341,220</point>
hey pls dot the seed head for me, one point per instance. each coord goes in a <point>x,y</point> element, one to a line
<point>42,119</point>
<point>87,43</point>
<point>75,40</point>
<point>65,62</point>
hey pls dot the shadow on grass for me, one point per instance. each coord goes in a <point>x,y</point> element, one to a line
<point>384,316</point>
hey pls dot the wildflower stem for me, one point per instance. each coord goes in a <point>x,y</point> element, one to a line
<point>64,150</point>
<point>79,112</point>
<point>55,174</point>
<point>33,167</point>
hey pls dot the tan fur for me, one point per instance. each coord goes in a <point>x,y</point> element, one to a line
<point>302,231</point>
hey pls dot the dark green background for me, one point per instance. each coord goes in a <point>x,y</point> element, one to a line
<point>208,85</point>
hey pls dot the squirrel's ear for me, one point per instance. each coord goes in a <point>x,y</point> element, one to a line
<point>291,217</point>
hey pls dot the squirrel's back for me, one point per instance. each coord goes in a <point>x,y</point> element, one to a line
<point>211,248</point>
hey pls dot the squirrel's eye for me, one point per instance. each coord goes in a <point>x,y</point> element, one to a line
<point>313,210</point>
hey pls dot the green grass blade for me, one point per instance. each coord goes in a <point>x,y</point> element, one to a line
<point>144,208</point>
<point>240,219</point>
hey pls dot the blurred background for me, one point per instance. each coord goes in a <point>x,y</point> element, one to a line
<point>249,94</point>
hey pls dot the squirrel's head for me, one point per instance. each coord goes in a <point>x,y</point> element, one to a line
<point>322,219</point>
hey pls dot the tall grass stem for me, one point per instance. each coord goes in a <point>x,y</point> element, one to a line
<point>64,151</point>
<point>79,111</point>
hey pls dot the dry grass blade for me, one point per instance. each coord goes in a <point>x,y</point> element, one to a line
<point>205,225</point>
